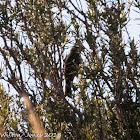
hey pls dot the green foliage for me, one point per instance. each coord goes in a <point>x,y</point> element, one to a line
<point>37,35</point>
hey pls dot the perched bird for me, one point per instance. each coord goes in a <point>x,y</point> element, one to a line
<point>72,62</point>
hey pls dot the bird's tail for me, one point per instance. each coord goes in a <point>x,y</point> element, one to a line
<point>68,88</point>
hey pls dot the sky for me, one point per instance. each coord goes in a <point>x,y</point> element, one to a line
<point>134,24</point>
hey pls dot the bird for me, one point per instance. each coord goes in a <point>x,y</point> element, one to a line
<point>72,62</point>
